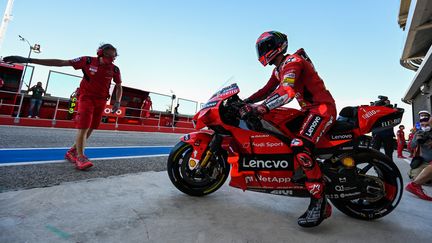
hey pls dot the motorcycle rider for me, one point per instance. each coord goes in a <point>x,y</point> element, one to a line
<point>294,76</point>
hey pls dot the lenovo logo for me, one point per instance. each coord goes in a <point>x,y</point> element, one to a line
<point>265,164</point>
<point>341,136</point>
<point>311,130</point>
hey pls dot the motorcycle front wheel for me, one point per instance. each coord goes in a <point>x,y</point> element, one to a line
<point>384,186</point>
<point>196,182</point>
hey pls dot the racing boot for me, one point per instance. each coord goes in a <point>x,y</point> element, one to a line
<point>71,155</point>
<point>82,163</point>
<point>318,210</point>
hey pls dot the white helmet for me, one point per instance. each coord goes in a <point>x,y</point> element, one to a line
<point>424,112</point>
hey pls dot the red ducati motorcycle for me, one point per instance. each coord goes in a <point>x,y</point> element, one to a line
<point>360,181</point>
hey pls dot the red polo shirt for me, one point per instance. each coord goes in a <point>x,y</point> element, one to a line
<point>97,76</point>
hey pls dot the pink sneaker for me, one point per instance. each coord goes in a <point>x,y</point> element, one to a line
<point>418,191</point>
<point>82,163</point>
<point>71,155</point>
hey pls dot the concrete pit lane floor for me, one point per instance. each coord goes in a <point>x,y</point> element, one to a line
<point>137,203</point>
<point>146,207</point>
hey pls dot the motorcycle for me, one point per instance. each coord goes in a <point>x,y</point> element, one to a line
<point>360,181</point>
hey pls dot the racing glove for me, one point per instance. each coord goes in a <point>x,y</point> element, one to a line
<point>252,110</point>
<point>247,101</point>
<point>16,59</point>
<point>245,111</point>
<point>261,109</point>
<point>115,107</point>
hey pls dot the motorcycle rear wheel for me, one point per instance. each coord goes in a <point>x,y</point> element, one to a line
<point>376,166</point>
<point>189,181</point>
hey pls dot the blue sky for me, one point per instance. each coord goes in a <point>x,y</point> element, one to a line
<point>194,47</point>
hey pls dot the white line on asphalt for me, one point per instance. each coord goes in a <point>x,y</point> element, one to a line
<point>64,161</point>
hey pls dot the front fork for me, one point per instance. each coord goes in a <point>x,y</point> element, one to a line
<point>212,148</point>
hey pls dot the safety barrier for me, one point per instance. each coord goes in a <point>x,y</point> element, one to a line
<point>53,116</point>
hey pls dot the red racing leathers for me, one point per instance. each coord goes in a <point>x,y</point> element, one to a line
<point>296,78</point>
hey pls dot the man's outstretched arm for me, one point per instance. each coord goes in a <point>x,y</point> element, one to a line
<point>45,62</point>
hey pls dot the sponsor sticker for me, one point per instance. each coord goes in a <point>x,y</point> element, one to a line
<point>289,78</point>
<point>290,59</point>
<point>391,122</point>
<point>315,189</point>
<point>269,162</point>
<point>260,136</point>
<point>274,103</point>
<point>369,114</point>
<point>268,144</point>
<point>76,59</point>
<point>343,195</point>
<point>93,69</point>
<point>209,104</point>
<point>265,164</point>
<point>341,136</point>
<point>228,90</point>
<point>296,142</point>
<point>290,75</point>
<point>272,179</point>
<point>274,97</point>
<point>282,192</point>
<point>312,126</point>
<point>193,163</point>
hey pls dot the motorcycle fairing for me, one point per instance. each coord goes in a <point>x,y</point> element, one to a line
<point>370,117</point>
<point>226,92</point>
<point>199,141</point>
<point>265,171</point>
<point>294,191</point>
<point>266,162</point>
<point>255,143</point>
<point>246,180</point>
<point>287,120</point>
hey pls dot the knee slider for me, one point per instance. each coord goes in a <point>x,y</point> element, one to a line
<point>305,159</point>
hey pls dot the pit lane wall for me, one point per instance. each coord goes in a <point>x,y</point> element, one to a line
<point>60,112</point>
